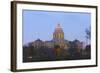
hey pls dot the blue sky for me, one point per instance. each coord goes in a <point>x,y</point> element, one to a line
<point>41,25</point>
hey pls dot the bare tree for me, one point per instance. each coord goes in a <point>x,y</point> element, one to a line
<point>88,34</point>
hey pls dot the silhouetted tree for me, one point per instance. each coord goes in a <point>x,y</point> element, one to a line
<point>88,34</point>
<point>87,52</point>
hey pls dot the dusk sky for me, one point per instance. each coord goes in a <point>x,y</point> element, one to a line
<point>41,25</point>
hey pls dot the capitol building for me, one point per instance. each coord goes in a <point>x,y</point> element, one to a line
<point>58,48</point>
<point>57,40</point>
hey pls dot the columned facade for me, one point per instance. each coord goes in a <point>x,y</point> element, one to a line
<point>58,36</point>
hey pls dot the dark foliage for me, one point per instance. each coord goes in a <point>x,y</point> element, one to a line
<point>32,54</point>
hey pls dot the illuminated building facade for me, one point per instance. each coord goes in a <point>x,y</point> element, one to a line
<point>58,37</point>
